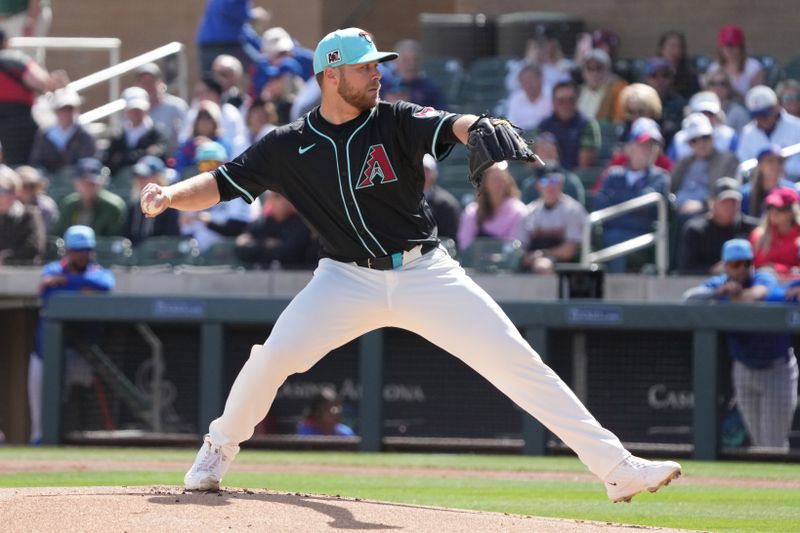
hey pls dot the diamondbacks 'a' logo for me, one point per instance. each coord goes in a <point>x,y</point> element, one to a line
<point>334,56</point>
<point>426,112</point>
<point>376,165</point>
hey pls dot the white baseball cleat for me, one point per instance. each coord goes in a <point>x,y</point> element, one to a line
<point>209,466</point>
<point>634,474</point>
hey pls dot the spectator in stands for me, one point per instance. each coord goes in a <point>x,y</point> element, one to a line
<point>225,219</point>
<point>21,79</point>
<point>547,150</point>
<point>694,176</point>
<point>578,136</point>
<point>149,169</point>
<point>555,67</point>
<point>638,101</point>
<point>206,126</point>
<point>324,416</point>
<point>277,46</point>
<point>723,136</point>
<point>776,241</point>
<point>552,230</point>
<point>736,115</point>
<point>25,18</point>
<point>702,236</point>
<point>788,92</point>
<point>77,271</point>
<point>608,42</point>
<point>766,176</point>
<point>743,71</point>
<point>672,47</point>
<point>22,237</point>
<point>231,121</point>
<point>496,212</point>
<point>91,205</point>
<point>261,118</point>
<point>139,135</point>
<point>167,110</point>
<point>33,193</point>
<point>764,365</point>
<point>224,27</point>
<point>411,84</point>
<point>59,147</point>
<point>640,176</point>
<point>660,75</point>
<point>445,208</point>
<point>229,73</point>
<point>529,105</point>
<point>280,86</point>
<point>771,125</point>
<point>277,238</point>
<point>599,94</point>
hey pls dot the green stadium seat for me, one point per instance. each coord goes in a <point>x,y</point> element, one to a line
<point>447,72</point>
<point>792,69</point>
<point>114,251</point>
<point>488,254</point>
<point>772,69</point>
<point>222,252</point>
<point>166,250</point>
<point>54,248</point>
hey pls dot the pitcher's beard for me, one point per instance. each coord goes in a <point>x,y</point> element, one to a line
<point>361,101</point>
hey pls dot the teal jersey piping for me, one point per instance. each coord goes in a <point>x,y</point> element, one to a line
<point>350,181</point>
<point>338,176</point>
<point>436,156</point>
<point>241,190</point>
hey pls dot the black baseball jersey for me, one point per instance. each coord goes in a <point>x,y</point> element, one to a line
<point>359,185</point>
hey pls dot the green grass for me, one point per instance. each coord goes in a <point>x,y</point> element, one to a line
<point>681,505</point>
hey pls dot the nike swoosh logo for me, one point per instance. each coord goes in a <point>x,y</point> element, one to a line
<point>301,150</point>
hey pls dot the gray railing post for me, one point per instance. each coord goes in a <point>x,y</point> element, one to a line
<point>704,384</point>
<point>534,434</point>
<point>211,371</point>
<point>53,382</point>
<point>370,369</point>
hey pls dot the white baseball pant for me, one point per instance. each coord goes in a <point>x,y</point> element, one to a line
<point>433,297</point>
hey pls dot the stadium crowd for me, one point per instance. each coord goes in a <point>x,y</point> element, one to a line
<point>609,130</point>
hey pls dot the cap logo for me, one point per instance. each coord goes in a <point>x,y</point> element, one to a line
<point>334,56</point>
<point>366,36</point>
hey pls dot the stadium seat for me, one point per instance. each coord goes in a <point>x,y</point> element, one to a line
<point>114,251</point>
<point>700,63</point>
<point>166,251</point>
<point>792,69</point>
<point>448,72</point>
<point>772,69</point>
<point>488,254</point>
<point>54,248</point>
<point>222,252</point>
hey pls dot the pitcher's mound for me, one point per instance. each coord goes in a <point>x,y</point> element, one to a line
<point>151,509</point>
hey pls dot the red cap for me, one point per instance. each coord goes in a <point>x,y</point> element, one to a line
<point>731,35</point>
<point>781,197</point>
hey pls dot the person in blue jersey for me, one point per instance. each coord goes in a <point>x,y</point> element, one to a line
<point>77,271</point>
<point>324,416</point>
<point>764,365</point>
<point>225,29</point>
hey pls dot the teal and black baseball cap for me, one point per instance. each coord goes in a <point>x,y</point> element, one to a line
<point>349,46</point>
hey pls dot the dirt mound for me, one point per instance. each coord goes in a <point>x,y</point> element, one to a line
<point>153,509</point>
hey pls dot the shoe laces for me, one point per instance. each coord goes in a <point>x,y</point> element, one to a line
<point>210,459</point>
<point>637,463</point>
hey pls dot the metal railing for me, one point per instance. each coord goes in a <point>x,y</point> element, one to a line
<point>113,72</point>
<point>111,44</point>
<point>659,237</point>
<point>749,164</point>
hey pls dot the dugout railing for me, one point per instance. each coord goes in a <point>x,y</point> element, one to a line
<point>542,324</point>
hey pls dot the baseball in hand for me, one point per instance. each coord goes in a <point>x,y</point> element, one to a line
<point>153,200</point>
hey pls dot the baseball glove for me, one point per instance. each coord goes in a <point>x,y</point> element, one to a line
<point>491,140</point>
